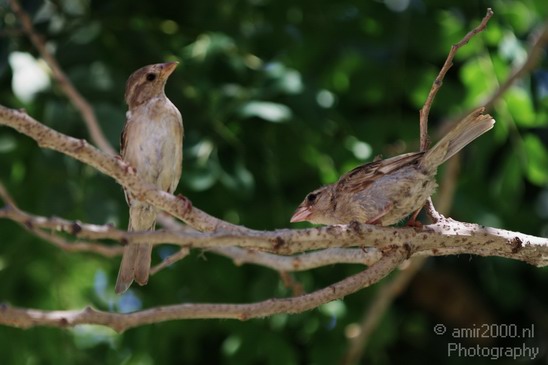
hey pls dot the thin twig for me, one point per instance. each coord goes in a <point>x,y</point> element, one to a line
<point>170,260</point>
<point>540,39</point>
<point>36,226</point>
<point>64,82</point>
<point>425,111</point>
<point>74,228</point>
<point>6,197</point>
<point>10,211</point>
<point>377,309</point>
<point>26,318</point>
<point>77,246</point>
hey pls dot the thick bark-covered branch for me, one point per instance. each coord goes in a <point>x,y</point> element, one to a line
<point>50,229</point>
<point>112,166</point>
<point>442,238</point>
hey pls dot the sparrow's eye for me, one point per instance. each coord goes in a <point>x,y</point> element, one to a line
<point>151,77</point>
<point>311,198</point>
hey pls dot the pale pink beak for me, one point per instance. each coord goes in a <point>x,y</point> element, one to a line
<point>301,215</point>
<point>168,68</point>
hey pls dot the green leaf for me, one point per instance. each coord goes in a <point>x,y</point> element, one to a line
<point>493,34</point>
<point>473,75</point>
<point>519,15</point>
<point>521,107</point>
<point>269,111</point>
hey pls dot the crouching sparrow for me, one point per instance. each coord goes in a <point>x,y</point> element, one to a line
<point>386,191</point>
<point>152,144</point>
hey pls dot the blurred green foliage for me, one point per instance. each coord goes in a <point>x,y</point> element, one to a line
<point>278,97</point>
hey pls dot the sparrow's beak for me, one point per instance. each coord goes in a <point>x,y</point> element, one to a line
<point>168,68</point>
<point>301,214</point>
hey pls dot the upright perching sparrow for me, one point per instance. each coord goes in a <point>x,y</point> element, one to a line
<point>152,144</point>
<point>386,191</point>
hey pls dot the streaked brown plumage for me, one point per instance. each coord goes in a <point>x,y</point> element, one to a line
<point>152,144</point>
<point>386,191</point>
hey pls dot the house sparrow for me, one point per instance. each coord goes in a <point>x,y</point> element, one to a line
<point>152,144</point>
<point>386,191</point>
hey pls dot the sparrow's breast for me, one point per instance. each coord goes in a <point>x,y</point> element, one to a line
<point>154,144</point>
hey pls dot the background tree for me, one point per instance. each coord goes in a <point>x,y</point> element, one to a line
<point>278,98</point>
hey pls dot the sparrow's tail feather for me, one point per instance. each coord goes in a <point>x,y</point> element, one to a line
<point>135,263</point>
<point>464,132</point>
<point>142,263</point>
<point>125,273</point>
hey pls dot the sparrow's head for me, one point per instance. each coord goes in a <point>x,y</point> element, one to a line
<point>148,82</point>
<point>316,207</point>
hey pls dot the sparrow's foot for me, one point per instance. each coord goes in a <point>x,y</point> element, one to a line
<point>127,167</point>
<point>413,222</point>
<point>186,202</point>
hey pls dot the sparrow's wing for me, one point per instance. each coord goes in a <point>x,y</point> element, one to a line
<point>177,130</point>
<point>123,137</point>
<point>123,145</point>
<point>362,176</point>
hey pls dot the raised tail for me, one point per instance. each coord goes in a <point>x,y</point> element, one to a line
<point>464,132</point>
<point>135,263</point>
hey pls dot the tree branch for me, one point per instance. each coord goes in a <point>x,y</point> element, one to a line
<point>40,225</point>
<point>64,82</point>
<point>74,228</point>
<point>26,318</point>
<point>425,111</point>
<point>112,166</point>
<point>302,262</point>
<point>441,238</point>
<point>535,52</point>
<point>376,310</point>
<point>445,237</point>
